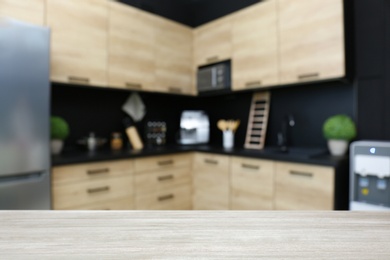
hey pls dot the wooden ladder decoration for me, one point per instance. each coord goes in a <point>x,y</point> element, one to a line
<point>258,121</point>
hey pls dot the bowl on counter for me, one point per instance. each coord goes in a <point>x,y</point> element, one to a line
<point>92,143</point>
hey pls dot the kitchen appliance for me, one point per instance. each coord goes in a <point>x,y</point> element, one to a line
<point>24,116</point>
<point>155,133</point>
<point>370,175</point>
<point>214,77</point>
<point>194,127</point>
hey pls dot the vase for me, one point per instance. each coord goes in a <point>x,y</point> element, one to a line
<point>337,147</point>
<point>56,146</point>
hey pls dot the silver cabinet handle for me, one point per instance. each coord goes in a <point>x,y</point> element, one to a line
<point>302,174</point>
<point>212,59</point>
<point>165,178</point>
<point>309,76</point>
<point>133,85</point>
<point>253,84</point>
<point>248,166</point>
<point>209,161</point>
<point>166,197</point>
<point>164,163</point>
<point>100,189</point>
<point>98,171</point>
<point>78,80</point>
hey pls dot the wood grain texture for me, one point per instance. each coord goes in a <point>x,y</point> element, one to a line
<point>79,41</point>
<point>252,184</point>
<point>213,41</point>
<point>255,46</point>
<point>32,11</point>
<point>131,47</point>
<point>125,203</point>
<point>174,59</point>
<point>211,182</point>
<point>164,162</point>
<point>311,40</point>
<point>90,171</point>
<point>89,192</point>
<point>174,198</point>
<point>303,187</point>
<point>147,182</point>
<point>194,235</point>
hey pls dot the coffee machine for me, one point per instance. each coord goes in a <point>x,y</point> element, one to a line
<point>370,176</point>
<point>194,127</point>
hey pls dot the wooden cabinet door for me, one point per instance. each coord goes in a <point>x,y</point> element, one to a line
<point>211,182</point>
<point>173,48</point>
<point>79,41</point>
<point>255,46</point>
<point>212,41</point>
<point>311,40</point>
<point>131,47</point>
<point>252,184</point>
<point>31,11</point>
<point>176,198</point>
<point>303,187</point>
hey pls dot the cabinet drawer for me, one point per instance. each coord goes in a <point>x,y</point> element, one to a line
<point>178,198</point>
<point>304,187</point>
<point>211,162</point>
<point>125,203</point>
<point>252,184</point>
<point>208,199</point>
<point>91,171</point>
<point>157,181</point>
<point>162,162</point>
<point>82,193</point>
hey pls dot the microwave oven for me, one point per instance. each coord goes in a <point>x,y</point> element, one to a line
<point>213,77</point>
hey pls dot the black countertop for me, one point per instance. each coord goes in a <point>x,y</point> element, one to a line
<point>297,155</point>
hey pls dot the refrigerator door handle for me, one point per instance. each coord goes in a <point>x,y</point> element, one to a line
<point>35,176</point>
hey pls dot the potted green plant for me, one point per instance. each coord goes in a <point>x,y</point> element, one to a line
<point>339,130</point>
<point>59,131</point>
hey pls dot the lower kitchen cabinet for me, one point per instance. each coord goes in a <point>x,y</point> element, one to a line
<point>163,182</point>
<point>106,185</point>
<point>252,184</point>
<point>211,182</point>
<point>304,187</point>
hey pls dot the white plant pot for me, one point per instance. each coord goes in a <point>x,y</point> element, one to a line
<point>337,147</point>
<point>56,146</point>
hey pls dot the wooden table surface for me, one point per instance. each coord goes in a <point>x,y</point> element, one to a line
<point>193,234</point>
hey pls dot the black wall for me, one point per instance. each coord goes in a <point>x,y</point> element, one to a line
<point>99,110</point>
<point>372,69</point>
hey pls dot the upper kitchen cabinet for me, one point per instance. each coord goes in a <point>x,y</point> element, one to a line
<point>311,40</point>
<point>255,46</point>
<point>79,41</point>
<point>173,49</point>
<point>131,47</point>
<point>213,42</point>
<point>31,11</point>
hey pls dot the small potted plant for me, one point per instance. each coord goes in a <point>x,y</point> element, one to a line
<point>59,131</point>
<point>339,130</point>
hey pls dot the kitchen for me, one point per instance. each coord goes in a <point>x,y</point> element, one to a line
<point>309,60</point>
<point>113,84</point>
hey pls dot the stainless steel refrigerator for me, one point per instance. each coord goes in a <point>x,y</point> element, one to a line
<point>24,116</point>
